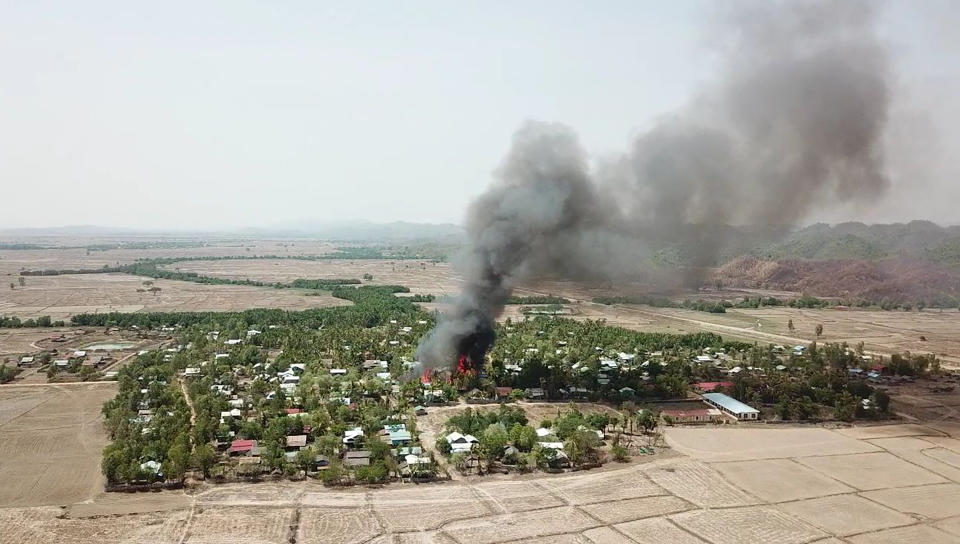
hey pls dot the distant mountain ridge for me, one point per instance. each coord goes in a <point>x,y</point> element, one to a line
<point>916,239</point>
<point>360,231</point>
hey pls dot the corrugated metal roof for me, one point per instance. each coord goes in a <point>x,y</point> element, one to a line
<point>730,403</point>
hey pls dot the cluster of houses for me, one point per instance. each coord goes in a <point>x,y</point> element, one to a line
<point>74,361</point>
<point>546,439</point>
<point>408,455</point>
<point>234,388</point>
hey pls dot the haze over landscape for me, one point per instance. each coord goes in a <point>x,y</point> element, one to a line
<point>245,115</point>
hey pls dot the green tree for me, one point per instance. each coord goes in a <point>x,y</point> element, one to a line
<point>442,445</point>
<point>306,457</point>
<point>845,407</point>
<point>328,444</point>
<point>334,473</point>
<point>178,457</point>
<point>881,400</point>
<point>523,437</point>
<point>579,446</point>
<point>647,420</point>
<point>113,463</point>
<point>204,457</point>
<point>492,442</point>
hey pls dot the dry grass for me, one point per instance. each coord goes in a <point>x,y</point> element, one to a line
<point>50,443</point>
<point>847,515</point>
<point>63,296</point>
<point>755,477</point>
<point>671,500</point>
<point>867,471</point>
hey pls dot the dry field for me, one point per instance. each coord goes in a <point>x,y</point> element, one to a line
<point>420,276</point>
<point>63,296</point>
<point>12,261</point>
<point>50,442</point>
<point>881,332</point>
<point>60,297</point>
<point>23,341</point>
<point>846,485</point>
<point>744,485</point>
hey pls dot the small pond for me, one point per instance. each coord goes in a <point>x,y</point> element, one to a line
<point>110,346</point>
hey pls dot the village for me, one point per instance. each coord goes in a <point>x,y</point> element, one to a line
<point>347,406</point>
<point>280,421</point>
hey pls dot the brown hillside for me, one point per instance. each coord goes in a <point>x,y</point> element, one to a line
<point>893,279</point>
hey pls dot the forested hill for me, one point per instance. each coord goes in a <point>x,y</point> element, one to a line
<point>916,239</point>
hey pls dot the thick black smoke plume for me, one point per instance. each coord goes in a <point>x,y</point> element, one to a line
<point>795,122</point>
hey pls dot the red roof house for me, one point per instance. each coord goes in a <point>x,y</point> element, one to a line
<point>242,446</point>
<point>706,387</point>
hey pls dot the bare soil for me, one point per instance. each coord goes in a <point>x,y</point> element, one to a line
<point>51,437</point>
<point>692,499</point>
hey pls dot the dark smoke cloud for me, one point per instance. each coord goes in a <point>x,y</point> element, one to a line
<point>794,123</point>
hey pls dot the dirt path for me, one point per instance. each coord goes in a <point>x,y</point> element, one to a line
<point>730,330</point>
<point>186,396</point>
<point>55,384</point>
<point>429,434</point>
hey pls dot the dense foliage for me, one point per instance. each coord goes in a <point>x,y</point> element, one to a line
<point>16,322</point>
<point>148,421</point>
<point>325,284</point>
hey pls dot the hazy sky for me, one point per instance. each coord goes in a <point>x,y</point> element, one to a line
<point>225,114</point>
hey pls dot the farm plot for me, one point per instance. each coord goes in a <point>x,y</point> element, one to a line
<point>657,531</point>
<point>13,261</point>
<point>881,332</point>
<point>930,501</point>
<point>239,525</point>
<point>917,534</point>
<point>42,525</point>
<point>50,444</point>
<point>798,500</point>
<point>434,537</point>
<point>754,525</point>
<point>63,296</point>
<point>346,525</point>
<point>699,484</point>
<point>602,487</point>
<point>605,535</point>
<point>426,508</point>
<point>872,470</point>
<point>520,526</point>
<point>22,341</point>
<point>517,496</point>
<point>239,494</point>
<point>886,431</point>
<point>755,477</point>
<point>634,509</point>
<point>420,276</point>
<point>846,515</point>
<point>743,444</point>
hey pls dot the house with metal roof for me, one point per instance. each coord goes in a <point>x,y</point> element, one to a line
<point>731,406</point>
